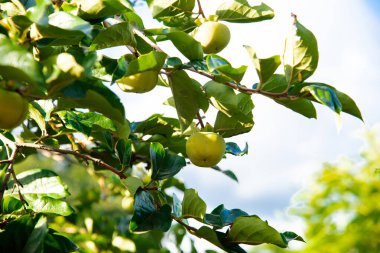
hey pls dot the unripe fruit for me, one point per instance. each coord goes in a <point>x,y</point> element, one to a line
<point>213,36</point>
<point>13,109</point>
<point>139,83</point>
<point>205,149</point>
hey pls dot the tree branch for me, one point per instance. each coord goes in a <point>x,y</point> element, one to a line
<point>10,172</point>
<point>200,10</point>
<point>191,229</point>
<point>74,153</point>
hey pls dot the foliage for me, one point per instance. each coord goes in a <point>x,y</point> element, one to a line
<point>125,171</point>
<point>340,207</point>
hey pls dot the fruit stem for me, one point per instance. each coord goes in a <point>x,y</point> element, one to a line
<point>200,120</point>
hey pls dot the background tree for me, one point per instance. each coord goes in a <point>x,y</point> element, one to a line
<point>56,102</point>
<point>339,207</point>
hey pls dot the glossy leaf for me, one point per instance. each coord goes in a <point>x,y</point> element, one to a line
<point>241,12</point>
<point>325,96</point>
<point>11,204</point>
<point>192,205</point>
<point>56,243</point>
<point>116,35</point>
<point>93,95</point>
<point>133,184</point>
<point>187,45</point>
<point>302,106</point>
<point>265,68</point>
<point>234,149</point>
<point>124,151</point>
<point>17,64</point>
<point>222,69</point>
<point>254,231</point>
<point>231,126</point>
<point>188,97</point>
<point>157,124</point>
<point>95,10</point>
<point>301,53</point>
<point>275,84</point>
<point>165,163</point>
<point>35,242</point>
<point>150,61</point>
<point>162,8</point>
<point>221,217</point>
<point>147,217</point>
<point>85,122</point>
<point>210,235</point>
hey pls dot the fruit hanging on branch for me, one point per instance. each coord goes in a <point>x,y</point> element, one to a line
<point>205,149</point>
<point>139,83</point>
<point>213,36</point>
<point>13,109</point>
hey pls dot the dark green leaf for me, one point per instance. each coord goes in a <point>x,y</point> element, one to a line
<point>254,231</point>
<point>221,217</point>
<point>124,151</point>
<point>93,95</point>
<point>234,149</point>
<point>188,97</point>
<point>264,67</point>
<point>290,236</point>
<point>222,69</point>
<point>302,106</point>
<point>187,45</point>
<point>11,204</point>
<point>231,126</point>
<point>157,124</point>
<point>162,8</point>
<point>35,243</point>
<point>228,173</point>
<point>17,64</point>
<point>241,12</point>
<point>301,54</point>
<point>192,205</point>
<point>56,243</point>
<point>147,217</point>
<point>116,35</point>
<point>95,10</point>
<point>165,163</point>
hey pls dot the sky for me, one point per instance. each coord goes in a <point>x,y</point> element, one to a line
<point>286,149</point>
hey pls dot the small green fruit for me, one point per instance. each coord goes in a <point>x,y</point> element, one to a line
<point>213,36</point>
<point>205,149</point>
<point>139,83</point>
<point>13,109</point>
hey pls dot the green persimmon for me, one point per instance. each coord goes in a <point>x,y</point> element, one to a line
<point>213,36</point>
<point>13,109</point>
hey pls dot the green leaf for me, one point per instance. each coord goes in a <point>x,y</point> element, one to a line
<point>188,97</point>
<point>300,54</point>
<point>254,231</point>
<point>302,106</point>
<point>147,216</point>
<point>56,243</point>
<point>16,233</point>
<point>234,149</point>
<point>221,217</point>
<point>43,190</point>
<point>222,69</point>
<point>265,68</point>
<point>231,126</point>
<point>165,163</point>
<point>325,96</point>
<point>150,61</point>
<point>161,8</point>
<point>157,124</point>
<point>192,205</point>
<point>95,10</point>
<point>124,151</point>
<point>227,101</point>
<point>133,184</point>
<point>63,29</point>
<point>117,35</point>
<point>290,236</point>
<point>275,84</point>
<point>17,64</point>
<point>210,235</point>
<point>93,95</point>
<point>35,243</point>
<point>187,45</point>
<point>11,204</point>
<point>228,173</point>
<point>241,12</point>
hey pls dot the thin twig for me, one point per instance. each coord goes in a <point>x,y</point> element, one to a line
<point>200,120</point>
<point>71,152</point>
<point>200,10</point>
<point>188,228</point>
<point>8,174</point>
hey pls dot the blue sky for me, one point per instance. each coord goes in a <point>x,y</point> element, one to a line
<point>286,149</point>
